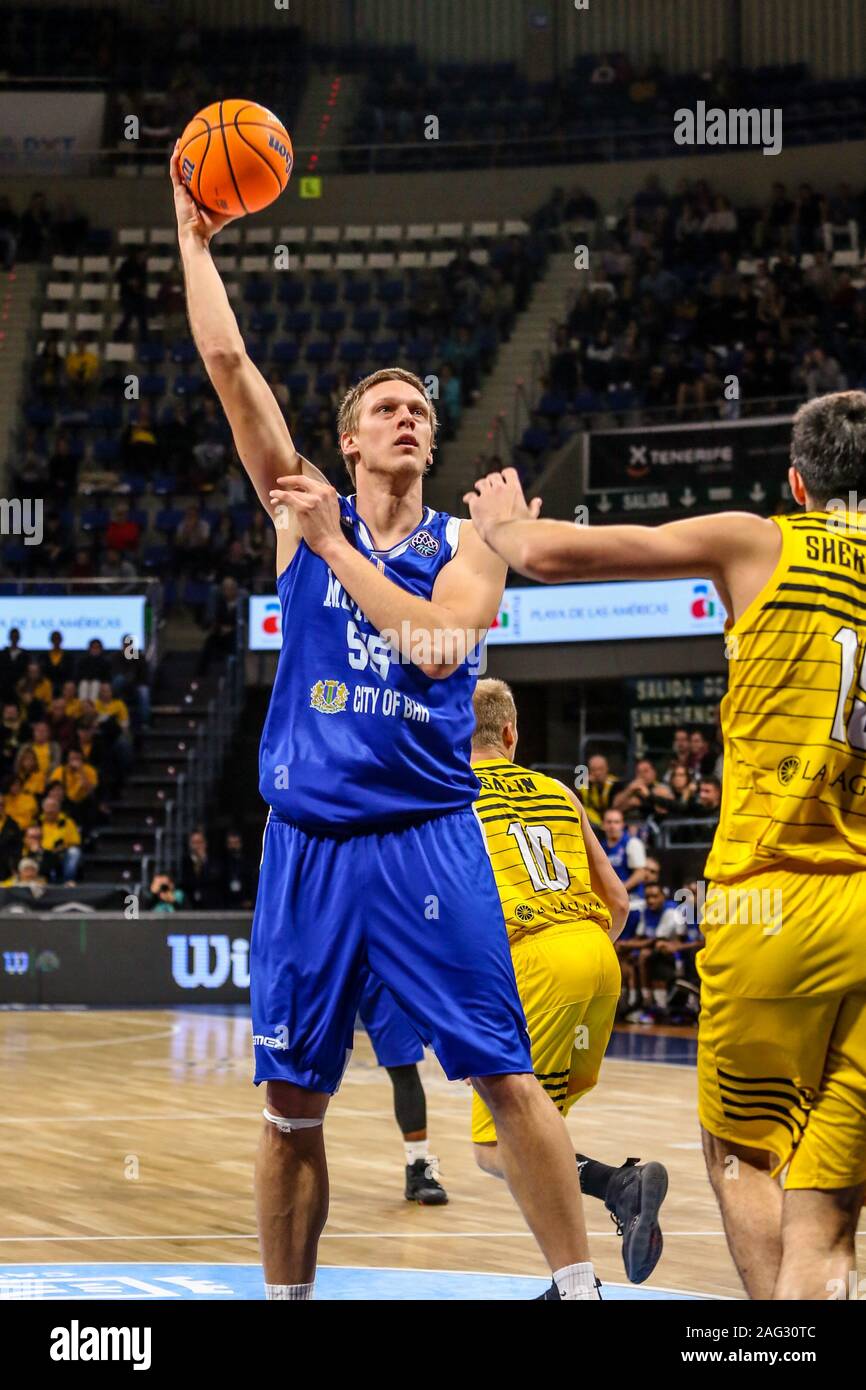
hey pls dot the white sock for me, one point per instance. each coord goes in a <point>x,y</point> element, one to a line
<point>661,998</point>
<point>293,1291</point>
<point>632,997</point>
<point>576,1282</point>
<point>415,1149</point>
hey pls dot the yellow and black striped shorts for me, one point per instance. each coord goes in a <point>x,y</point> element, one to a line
<point>568,978</point>
<point>782,1033</point>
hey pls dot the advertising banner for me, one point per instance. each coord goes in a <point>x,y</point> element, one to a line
<point>108,958</point>
<point>681,467</point>
<point>80,617</point>
<point>567,613</point>
<point>49,132</point>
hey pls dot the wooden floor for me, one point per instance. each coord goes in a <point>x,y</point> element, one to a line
<point>130,1136</point>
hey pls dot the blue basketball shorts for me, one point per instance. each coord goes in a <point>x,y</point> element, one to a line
<point>394,1040</point>
<point>417,906</point>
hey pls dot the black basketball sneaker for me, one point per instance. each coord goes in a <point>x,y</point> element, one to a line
<point>422,1184</point>
<point>634,1195</point>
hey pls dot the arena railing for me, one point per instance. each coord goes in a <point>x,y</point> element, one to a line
<point>211,742</point>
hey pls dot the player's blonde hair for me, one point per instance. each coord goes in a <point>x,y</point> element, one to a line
<point>349,412</point>
<point>494,707</point>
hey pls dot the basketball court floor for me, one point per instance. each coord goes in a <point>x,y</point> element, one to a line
<point>126,1151</point>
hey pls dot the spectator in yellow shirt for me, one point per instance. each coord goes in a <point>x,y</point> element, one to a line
<point>20,805</point>
<point>28,771</point>
<point>71,702</point>
<point>78,781</point>
<point>45,750</point>
<point>109,706</point>
<point>60,835</point>
<point>82,365</point>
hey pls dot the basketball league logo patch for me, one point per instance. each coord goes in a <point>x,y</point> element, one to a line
<point>424,543</point>
<point>329,697</point>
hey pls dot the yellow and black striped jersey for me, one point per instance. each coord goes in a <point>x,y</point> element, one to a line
<point>794,716</point>
<point>536,847</point>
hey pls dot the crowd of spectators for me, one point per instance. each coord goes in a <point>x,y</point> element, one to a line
<point>207,883</point>
<point>638,820</point>
<point>686,291</point>
<point>66,747</point>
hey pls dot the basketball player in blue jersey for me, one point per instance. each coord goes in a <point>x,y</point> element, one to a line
<point>372,855</point>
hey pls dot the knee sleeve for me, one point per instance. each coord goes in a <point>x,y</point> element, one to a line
<point>410,1103</point>
<point>286,1126</point>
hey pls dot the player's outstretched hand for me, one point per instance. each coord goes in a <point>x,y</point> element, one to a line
<point>499,497</point>
<point>316,508</point>
<point>192,219</point>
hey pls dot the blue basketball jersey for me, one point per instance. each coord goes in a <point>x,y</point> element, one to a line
<point>356,736</point>
<point>618,855</point>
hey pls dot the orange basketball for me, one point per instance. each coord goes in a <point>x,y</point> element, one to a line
<point>235,157</point>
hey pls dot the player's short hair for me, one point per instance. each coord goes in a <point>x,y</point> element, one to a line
<point>828,445</point>
<point>350,406</point>
<point>494,707</point>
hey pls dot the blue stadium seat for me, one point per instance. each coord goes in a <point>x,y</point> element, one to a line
<point>323,292</point>
<point>291,292</point>
<point>326,382</point>
<point>191,385</point>
<point>168,519</point>
<point>156,557</point>
<point>263,322</point>
<point>17,553</point>
<point>552,405</point>
<point>391,291</point>
<point>385,350</point>
<point>257,292</point>
<point>40,416</point>
<point>298,383</point>
<point>351,351</point>
<point>357,291</point>
<point>152,385</point>
<point>240,515</point>
<point>536,439</point>
<point>585,402</point>
<point>106,417</point>
<point>366,320</point>
<point>298,321</point>
<point>106,451</point>
<point>285,352</point>
<point>141,518</point>
<point>319,351</point>
<point>397,320</point>
<point>94,518</point>
<point>331,321</point>
<point>163,484</point>
<point>135,483</point>
<point>183,351</point>
<point>152,354</point>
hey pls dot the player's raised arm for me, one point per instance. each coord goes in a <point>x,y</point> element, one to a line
<point>258,426</point>
<point>736,550</point>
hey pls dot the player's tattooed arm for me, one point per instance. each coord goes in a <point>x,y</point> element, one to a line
<point>605,883</point>
<point>436,635</point>
<point>736,550</point>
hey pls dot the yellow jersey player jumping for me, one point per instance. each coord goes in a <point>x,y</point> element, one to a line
<point>782,1034</point>
<point>563,907</point>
